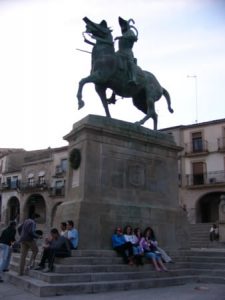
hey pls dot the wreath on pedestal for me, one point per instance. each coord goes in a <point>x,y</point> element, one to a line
<point>75,158</point>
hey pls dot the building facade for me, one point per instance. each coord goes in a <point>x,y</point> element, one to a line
<point>201,167</point>
<point>35,181</point>
<point>32,182</point>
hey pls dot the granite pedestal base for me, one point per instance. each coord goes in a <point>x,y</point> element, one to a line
<point>127,175</point>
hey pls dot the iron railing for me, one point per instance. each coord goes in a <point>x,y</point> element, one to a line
<point>196,147</point>
<point>221,144</point>
<point>34,186</point>
<point>57,191</point>
<point>211,178</point>
<point>11,185</point>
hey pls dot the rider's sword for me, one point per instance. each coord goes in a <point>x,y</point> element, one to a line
<point>83,50</point>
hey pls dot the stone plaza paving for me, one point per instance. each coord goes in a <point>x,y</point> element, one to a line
<point>193,291</point>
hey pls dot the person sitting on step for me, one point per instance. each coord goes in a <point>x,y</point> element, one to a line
<point>63,228</point>
<point>119,244</point>
<point>165,257</point>
<point>72,235</point>
<point>56,246</point>
<point>151,251</point>
<point>137,250</point>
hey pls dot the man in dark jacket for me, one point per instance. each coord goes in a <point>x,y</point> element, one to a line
<point>7,238</point>
<point>27,240</point>
<point>56,246</point>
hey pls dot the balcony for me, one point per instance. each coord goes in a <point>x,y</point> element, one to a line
<point>221,144</point>
<point>57,191</point>
<point>196,148</point>
<point>206,179</point>
<point>34,186</point>
<point>59,172</point>
<point>8,186</point>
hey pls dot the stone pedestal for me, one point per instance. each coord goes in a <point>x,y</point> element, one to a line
<point>127,175</point>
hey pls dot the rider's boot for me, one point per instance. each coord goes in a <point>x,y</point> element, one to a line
<point>132,79</point>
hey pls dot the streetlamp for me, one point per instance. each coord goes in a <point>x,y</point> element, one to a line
<point>196,94</point>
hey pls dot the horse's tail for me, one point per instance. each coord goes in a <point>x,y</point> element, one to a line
<point>167,96</point>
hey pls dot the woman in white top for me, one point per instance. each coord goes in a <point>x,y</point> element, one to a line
<point>132,238</point>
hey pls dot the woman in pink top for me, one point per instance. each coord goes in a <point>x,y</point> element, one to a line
<point>151,251</point>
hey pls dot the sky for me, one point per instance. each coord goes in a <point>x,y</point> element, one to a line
<point>40,66</point>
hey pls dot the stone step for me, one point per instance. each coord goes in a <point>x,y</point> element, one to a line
<point>198,252</point>
<point>106,276</point>
<point>95,253</point>
<point>206,225</point>
<point>41,288</point>
<point>211,279</point>
<point>75,269</point>
<point>83,260</point>
<point>202,258</point>
<point>200,237</point>
<point>207,245</point>
<point>83,264</point>
<point>90,277</point>
<point>206,265</point>
<point>90,272</point>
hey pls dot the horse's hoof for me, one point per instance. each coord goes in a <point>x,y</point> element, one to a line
<point>171,110</point>
<point>137,123</point>
<point>80,104</point>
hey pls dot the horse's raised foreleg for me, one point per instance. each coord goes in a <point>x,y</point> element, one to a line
<point>101,90</point>
<point>82,82</point>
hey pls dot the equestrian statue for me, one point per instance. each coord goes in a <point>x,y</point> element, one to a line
<point>119,71</point>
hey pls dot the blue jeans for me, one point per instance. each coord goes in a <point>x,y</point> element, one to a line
<point>4,257</point>
<point>153,255</point>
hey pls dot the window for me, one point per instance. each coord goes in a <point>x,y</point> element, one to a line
<point>198,173</point>
<point>223,139</point>
<point>59,187</point>
<point>59,184</point>
<point>8,181</point>
<point>64,165</point>
<point>41,179</point>
<point>14,182</point>
<point>31,181</point>
<point>197,143</point>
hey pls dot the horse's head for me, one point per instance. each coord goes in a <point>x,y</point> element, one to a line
<point>100,30</point>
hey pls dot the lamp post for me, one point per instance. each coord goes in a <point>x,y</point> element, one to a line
<point>196,95</point>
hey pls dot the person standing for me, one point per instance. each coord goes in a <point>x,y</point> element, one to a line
<point>72,235</point>
<point>27,240</point>
<point>214,233</point>
<point>7,238</point>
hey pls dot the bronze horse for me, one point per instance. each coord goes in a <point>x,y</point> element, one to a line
<point>109,71</point>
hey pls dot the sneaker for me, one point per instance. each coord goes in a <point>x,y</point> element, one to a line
<point>47,270</point>
<point>39,268</point>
